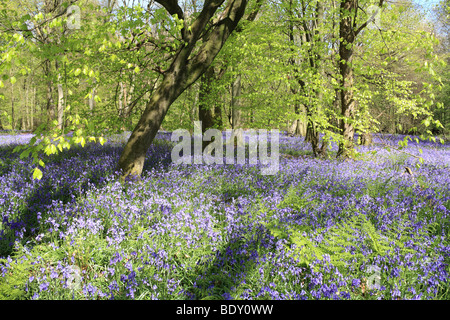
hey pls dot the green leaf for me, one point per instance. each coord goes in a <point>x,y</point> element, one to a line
<point>25,154</point>
<point>37,174</point>
<point>50,149</point>
<point>13,80</point>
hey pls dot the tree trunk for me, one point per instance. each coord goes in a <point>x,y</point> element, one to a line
<point>348,32</point>
<point>33,108</point>
<point>26,88</point>
<point>60,103</point>
<point>182,73</point>
<point>92,98</point>
<point>13,116</point>
<point>365,139</point>
<point>298,127</point>
<point>120,100</point>
<point>205,111</point>
<point>193,112</point>
<point>347,36</point>
<point>50,105</point>
<point>236,112</point>
<point>60,109</point>
<point>218,122</point>
<point>312,135</point>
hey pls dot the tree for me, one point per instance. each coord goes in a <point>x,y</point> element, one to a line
<point>348,31</point>
<point>186,67</point>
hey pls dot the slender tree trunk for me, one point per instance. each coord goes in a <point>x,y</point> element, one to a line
<point>92,98</point>
<point>50,104</point>
<point>236,112</point>
<point>120,100</point>
<point>193,113</point>
<point>26,87</point>
<point>60,103</point>
<point>312,135</point>
<point>298,127</point>
<point>218,122</point>
<point>347,36</point>
<point>33,108</point>
<point>205,111</point>
<point>60,108</point>
<point>13,116</point>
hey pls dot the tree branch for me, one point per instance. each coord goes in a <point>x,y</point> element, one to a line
<point>172,7</point>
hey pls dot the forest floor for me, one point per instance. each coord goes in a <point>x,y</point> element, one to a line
<point>317,229</point>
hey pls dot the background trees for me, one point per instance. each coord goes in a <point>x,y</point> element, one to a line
<point>305,66</point>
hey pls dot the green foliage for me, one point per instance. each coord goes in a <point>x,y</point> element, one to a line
<point>13,282</point>
<point>338,241</point>
<point>296,200</point>
<point>341,243</point>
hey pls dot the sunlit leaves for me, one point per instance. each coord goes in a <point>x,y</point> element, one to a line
<point>37,174</point>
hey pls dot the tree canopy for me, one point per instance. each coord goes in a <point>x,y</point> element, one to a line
<point>327,70</point>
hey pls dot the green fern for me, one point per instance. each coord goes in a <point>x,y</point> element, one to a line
<point>341,242</point>
<point>12,284</point>
<point>295,200</point>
